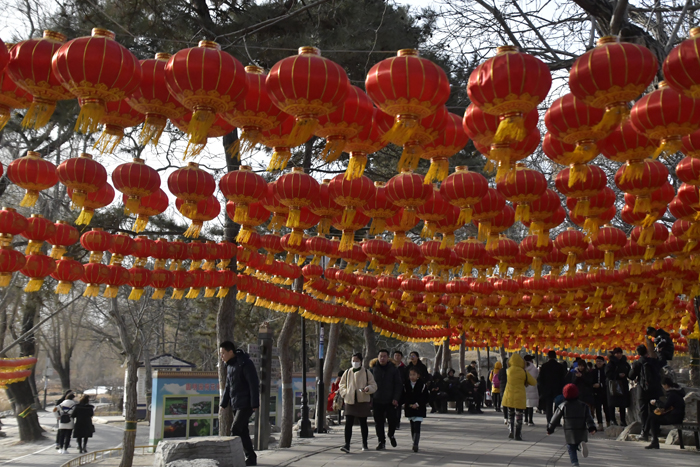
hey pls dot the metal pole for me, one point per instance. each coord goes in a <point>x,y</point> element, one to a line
<point>537,355</point>
<point>488,358</point>
<point>262,420</point>
<point>320,386</point>
<point>305,431</point>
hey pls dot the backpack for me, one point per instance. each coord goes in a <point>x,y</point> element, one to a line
<point>65,416</point>
<point>495,381</point>
<point>647,376</point>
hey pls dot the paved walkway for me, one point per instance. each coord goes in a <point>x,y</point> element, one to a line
<point>471,441</point>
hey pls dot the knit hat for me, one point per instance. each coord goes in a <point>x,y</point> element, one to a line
<point>570,392</point>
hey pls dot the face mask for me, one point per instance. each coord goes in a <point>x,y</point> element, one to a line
<point>356,364</point>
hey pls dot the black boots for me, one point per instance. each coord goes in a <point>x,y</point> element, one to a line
<point>654,444</point>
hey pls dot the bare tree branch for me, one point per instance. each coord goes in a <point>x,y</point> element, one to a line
<point>619,17</point>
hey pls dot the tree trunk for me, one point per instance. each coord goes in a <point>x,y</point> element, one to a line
<point>130,406</point>
<point>462,354</point>
<point>478,361</point>
<point>286,362</point>
<point>438,359</point>
<point>149,380</point>
<point>370,345</point>
<point>226,316</point>
<point>64,376</point>
<point>694,351</point>
<point>446,356</point>
<point>331,354</point>
<point>504,354</point>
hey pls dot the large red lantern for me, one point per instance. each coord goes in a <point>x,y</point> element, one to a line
<point>191,185</point>
<point>118,276</point>
<point>135,179</point>
<point>152,205</point>
<point>95,200</point>
<point>94,274</point>
<point>481,126</point>
<point>39,229</point>
<point>160,280</point>
<point>11,97</point>
<point>572,243</point>
<point>11,261</point>
<point>490,206</point>
<point>379,208</point>
<point>30,68</point>
<point>207,81</point>
<point>307,86</point>
<point>32,173</point>
<point>612,74</point>
<point>96,241</point>
<point>609,240</point>
<point>207,210</point>
<point>464,189</point>
<point>523,188</point>
<point>682,65</point>
<point>408,191</point>
<point>96,69</point>
<point>652,176</point>
<point>82,175</point>
<point>243,187</point>
<point>509,85</point>
<point>448,143</point>
<point>118,116</point>
<point>351,194</point>
<point>296,190</point>
<point>67,271</point>
<point>37,268</point>
<point>370,139</point>
<point>153,99</point>
<point>424,90</point>
<point>65,235</point>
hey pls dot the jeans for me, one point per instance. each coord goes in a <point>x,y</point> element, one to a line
<point>573,453</point>
<point>384,411</point>
<point>64,438</point>
<point>239,428</point>
<point>349,422</point>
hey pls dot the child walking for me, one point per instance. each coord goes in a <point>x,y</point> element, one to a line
<point>415,403</point>
<point>578,422</point>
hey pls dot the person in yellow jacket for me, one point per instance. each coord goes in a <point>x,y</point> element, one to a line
<point>496,386</point>
<point>515,397</point>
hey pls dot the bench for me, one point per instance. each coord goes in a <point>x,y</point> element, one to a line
<point>694,427</point>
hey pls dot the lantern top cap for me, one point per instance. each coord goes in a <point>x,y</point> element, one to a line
<point>506,49</point>
<point>308,50</point>
<point>65,258</point>
<point>97,229</point>
<point>100,32</point>
<point>33,154</point>
<point>326,181</point>
<point>694,32</point>
<point>607,40</point>
<point>406,170</point>
<point>5,208</point>
<point>461,168</point>
<point>408,53</point>
<point>163,56</point>
<point>209,45</point>
<point>298,170</point>
<point>379,184</point>
<point>38,216</point>
<point>61,222</point>
<point>254,69</point>
<point>85,155</point>
<point>662,84</point>
<point>54,36</point>
<point>193,164</point>
<point>138,160</point>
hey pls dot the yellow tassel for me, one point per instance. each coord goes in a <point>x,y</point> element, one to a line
<point>612,118</point>
<point>96,256</point>
<point>223,291</point>
<point>347,240</point>
<point>132,205</point>
<point>192,293</point>
<point>522,213</point>
<point>510,128</point>
<point>301,260</point>
<point>439,168</point>
<point>592,226</point>
<point>408,218</point>
<point>304,129</point>
<point>152,129</point>
<point>571,261</point>
<point>110,291</point>
<point>61,289</point>
<point>250,298</point>
<point>240,216</point>
<point>30,199</point>
<point>296,237</point>
<point>584,153</point>
<point>189,209</point>
<point>198,129</point>
<point>642,204</point>
<point>140,223</point>
<point>194,229</point>
<point>85,217</point>
<point>485,230</point>
<point>294,218</point>
<point>609,259</point>
<point>57,252</point>
<point>136,294</point>
<point>33,247</point>
<point>465,215</point>
<point>467,270</point>
<point>448,241</point>
<point>243,235</point>
<point>209,292</point>
<point>38,114</point>
<point>34,285</point>
<point>505,170</point>
<point>78,199</point>
<point>289,258</point>
<point>333,149</point>
<point>537,266</point>
<point>582,208</point>
<point>250,137</point>
<point>577,173</point>
<point>92,290</point>
<point>428,230</point>
<point>489,167</point>
<point>348,216</point>
<point>543,238</point>
<point>398,240</point>
<point>109,139</point>
<point>649,253</point>
<point>158,294</point>
<point>403,129</point>
<point>240,295</point>
<point>378,226</point>
<point>280,158</point>
<point>91,112</point>
<point>668,147</point>
<point>178,294</point>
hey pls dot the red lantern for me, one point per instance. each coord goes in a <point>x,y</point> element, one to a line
<point>191,185</point>
<point>65,235</point>
<point>96,70</point>
<point>207,210</point>
<point>509,85</point>
<point>572,243</point>
<point>650,238</point>
<point>369,140</point>
<point>152,205</point>
<point>118,276</point>
<point>626,144</point>
<point>296,190</point>
<point>11,261</point>
<point>379,208</point>
<point>96,200</point>
<point>610,239</point>
<point>82,175</point>
<point>688,171</point>
<point>207,81</point>
<point>30,68</point>
<point>37,232</point>
<point>408,191</point>
<point>426,131</point>
<point>122,245</point>
<point>153,99</point>
<point>431,212</point>
<point>118,116</point>
<point>135,179</point>
<point>325,207</point>
<point>351,194</point>
<point>464,189</point>
<point>490,206</point>
<point>32,173</point>
<point>242,187</point>
<point>307,86</point>
<point>681,65</point>
<point>481,126</point>
<point>67,271</point>
<point>182,280</point>
<point>96,241</point>
<point>11,97</point>
<point>448,143</point>
<point>508,153</point>
<point>612,74</point>
<point>525,187</point>
<point>37,268</point>
<point>160,280</point>
<point>139,279</point>
<point>349,226</point>
<point>652,176</point>
<point>11,223</point>
<point>200,280</point>
<point>94,274</point>
<point>425,88</point>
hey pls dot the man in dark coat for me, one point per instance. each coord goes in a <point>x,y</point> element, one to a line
<point>648,371</point>
<point>550,382</point>
<point>600,391</point>
<point>403,372</point>
<point>616,371</point>
<point>503,378</point>
<point>387,397</point>
<point>242,392</point>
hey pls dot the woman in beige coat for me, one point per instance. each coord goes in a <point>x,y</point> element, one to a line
<point>515,397</point>
<point>356,386</point>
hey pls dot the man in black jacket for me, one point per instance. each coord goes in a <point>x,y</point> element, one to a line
<point>600,391</point>
<point>550,382</point>
<point>403,372</point>
<point>648,370</point>
<point>503,378</point>
<point>386,398</point>
<point>242,392</point>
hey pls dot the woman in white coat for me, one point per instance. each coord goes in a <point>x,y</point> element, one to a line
<point>531,392</point>
<point>356,386</point>
<point>64,414</point>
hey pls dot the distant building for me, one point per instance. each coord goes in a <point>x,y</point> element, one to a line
<point>161,362</point>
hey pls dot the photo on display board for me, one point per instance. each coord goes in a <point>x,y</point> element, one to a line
<point>175,406</point>
<point>200,405</point>
<point>200,427</point>
<point>175,429</point>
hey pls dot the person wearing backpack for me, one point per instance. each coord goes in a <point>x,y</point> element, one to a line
<point>578,423</point>
<point>496,386</point>
<point>64,415</point>
<point>647,371</point>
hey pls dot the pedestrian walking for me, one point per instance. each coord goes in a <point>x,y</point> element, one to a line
<point>83,427</point>
<point>550,382</point>
<point>618,389</point>
<point>415,404</point>
<point>515,398</point>
<point>242,392</point>
<point>356,386</point>
<point>64,415</point>
<point>55,409</point>
<point>403,372</point>
<point>386,398</point>
<point>647,371</point>
<point>531,392</point>
<point>578,423</point>
<point>496,386</point>
<point>600,392</point>
<point>503,379</point>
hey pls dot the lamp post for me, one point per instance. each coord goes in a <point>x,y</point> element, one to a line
<point>306,430</point>
<point>320,386</point>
